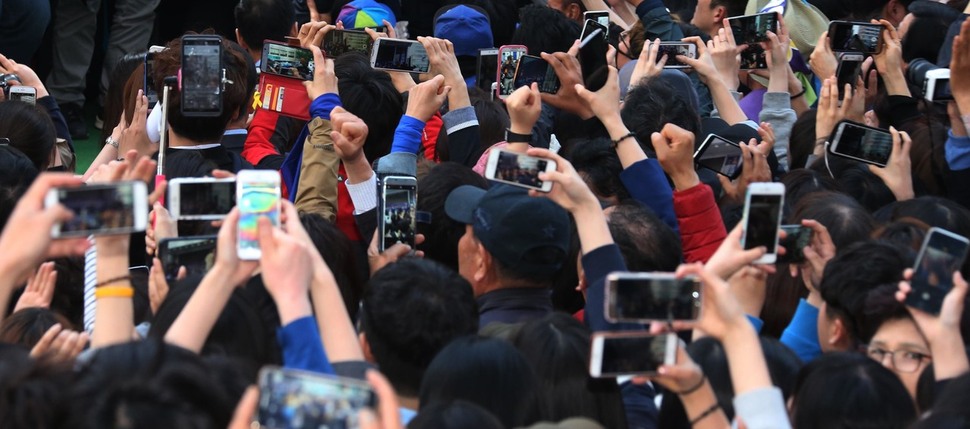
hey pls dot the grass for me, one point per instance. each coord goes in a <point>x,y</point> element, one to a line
<point>88,148</point>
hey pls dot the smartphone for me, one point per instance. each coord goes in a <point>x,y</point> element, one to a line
<point>720,155</point>
<point>486,68</point>
<point>797,237</point>
<point>534,69</point>
<point>293,399</point>
<point>617,354</point>
<point>339,42</point>
<point>672,50</point>
<point>849,70</point>
<point>27,94</point>
<point>201,75</point>
<point>518,169</point>
<point>201,198</point>
<point>107,209</point>
<point>149,81</point>
<point>936,87</point>
<point>196,254</point>
<point>601,17</point>
<point>942,254</point>
<point>753,29</point>
<point>592,60</point>
<point>399,55</point>
<point>285,60</point>
<point>650,297</point>
<point>591,25</point>
<point>508,57</point>
<point>397,222</point>
<point>762,219</point>
<point>861,143</point>
<point>754,58</point>
<point>257,195</point>
<point>863,37</point>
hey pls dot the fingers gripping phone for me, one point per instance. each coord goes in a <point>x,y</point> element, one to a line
<point>617,354</point>
<point>196,254</point>
<point>397,218</point>
<point>849,70</point>
<point>720,155</point>
<point>941,255</point>
<point>257,195</point>
<point>753,29</point>
<point>108,209</point>
<point>201,198</point>
<point>534,69</point>
<point>863,37</point>
<point>797,237</point>
<point>201,75</point>
<point>651,297</point>
<point>285,60</point>
<point>672,50</point>
<point>518,169</point>
<point>861,143</point>
<point>592,60</point>
<point>400,55</point>
<point>27,94</point>
<point>762,219</point>
<point>339,42</point>
<point>508,57</point>
<point>291,399</point>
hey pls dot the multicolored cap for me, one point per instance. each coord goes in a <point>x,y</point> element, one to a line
<point>365,13</point>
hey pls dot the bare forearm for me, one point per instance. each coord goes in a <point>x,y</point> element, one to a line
<point>114,317</point>
<point>727,106</point>
<point>749,371</point>
<point>627,150</point>
<point>358,170</point>
<point>108,153</point>
<point>949,356</point>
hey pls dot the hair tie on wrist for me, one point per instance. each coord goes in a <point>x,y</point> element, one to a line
<point>617,142</point>
<point>706,413</point>
<point>695,387</point>
<point>804,90</point>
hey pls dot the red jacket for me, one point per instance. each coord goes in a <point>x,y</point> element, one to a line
<point>701,227</point>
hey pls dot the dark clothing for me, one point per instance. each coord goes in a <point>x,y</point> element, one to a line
<point>234,142</point>
<point>22,27</point>
<point>513,305</point>
<point>222,158</point>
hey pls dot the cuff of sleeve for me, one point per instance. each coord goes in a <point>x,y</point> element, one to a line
<point>363,194</point>
<point>688,201</point>
<point>407,137</point>
<point>957,151</point>
<point>776,101</point>
<point>457,120</point>
<point>762,408</point>
<point>323,105</point>
<point>296,330</point>
<point>755,322</point>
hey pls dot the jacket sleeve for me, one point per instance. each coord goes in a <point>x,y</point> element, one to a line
<point>701,227</point>
<point>762,409</point>
<point>60,124</point>
<point>647,183</point>
<point>596,265</point>
<point>801,335</point>
<point>366,224</point>
<point>957,151</point>
<point>464,140</point>
<point>657,22</point>
<point>259,150</point>
<point>302,347</point>
<point>776,110</point>
<point>317,189</point>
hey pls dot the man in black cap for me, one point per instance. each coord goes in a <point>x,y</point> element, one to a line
<point>512,247</point>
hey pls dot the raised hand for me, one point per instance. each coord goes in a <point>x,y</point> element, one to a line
<point>721,312</point>
<point>605,103</point>
<point>648,64</point>
<point>426,98</point>
<point>524,106</point>
<point>817,254</point>
<point>829,111</point>
<point>942,331</point>
<point>377,260</point>
<point>158,285</point>
<point>387,401</point>
<point>349,134</point>
<point>26,75</point>
<point>60,344</point>
<point>704,63</point>
<point>960,70</point>
<point>569,190</point>
<point>567,69</point>
<point>675,152</point>
<point>823,61</point>
<point>40,288</point>
<point>725,53</point>
<point>134,136</point>
<point>324,79</point>
<point>287,268</point>
<point>889,61</point>
<point>898,172</point>
<point>754,169</point>
<point>227,256</point>
<point>731,256</point>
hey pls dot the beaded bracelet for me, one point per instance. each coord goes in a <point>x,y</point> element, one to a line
<point>620,140</point>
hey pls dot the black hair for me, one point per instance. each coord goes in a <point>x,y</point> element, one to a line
<point>880,306</point>
<point>732,7</point>
<point>114,98</point>
<point>488,372</point>
<point>907,233</point>
<point>949,407</point>
<point>544,29</point>
<point>857,181</point>
<point>557,346</point>
<point>17,173</point>
<point>455,415</point>
<point>29,130</point>
<point>927,30</point>
<point>34,390</point>
<point>493,120</point>
<point>187,164</point>
<point>370,95</point>
<point>441,236</point>
<point>870,9</point>
<point>597,163</point>
<point>801,144</point>
<point>654,103</point>
<point>646,242</point>
<point>682,9</point>
<point>341,255</point>
<point>28,325</point>
<point>411,310</point>
<point>849,390</point>
<point>846,220</point>
<point>933,211</point>
<point>252,78</point>
<point>259,20</point>
<point>801,182</point>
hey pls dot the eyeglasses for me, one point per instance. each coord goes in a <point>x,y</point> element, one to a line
<point>902,360</point>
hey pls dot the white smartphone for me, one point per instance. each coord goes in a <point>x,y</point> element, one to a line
<point>936,87</point>
<point>257,195</point>
<point>518,169</point>
<point>27,94</point>
<point>203,198</point>
<point>617,354</point>
<point>399,55</point>
<point>396,222</point>
<point>762,219</point>
<point>601,17</point>
<point>106,209</point>
<point>651,297</point>
<point>672,50</point>
<point>861,143</point>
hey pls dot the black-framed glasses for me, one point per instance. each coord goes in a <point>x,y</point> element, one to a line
<point>902,360</point>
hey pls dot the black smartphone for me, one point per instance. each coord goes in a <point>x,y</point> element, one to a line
<point>592,60</point>
<point>864,37</point>
<point>591,25</point>
<point>400,55</point>
<point>601,17</point>
<point>861,143</point>
<point>339,42</point>
<point>942,254</point>
<point>754,58</point>
<point>486,68</point>
<point>616,354</point>
<point>753,29</point>
<point>201,75</point>
<point>797,237</point>
<point>196,254</point>
<point>534,69</point>
<point>396,222</point>
<point>762,219</point>
<point>285,60</point>
<point>720,155</point>
<point>292,399</point>
<point>648,297</point>
<point>849,70</point>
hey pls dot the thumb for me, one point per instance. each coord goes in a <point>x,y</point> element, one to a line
<point>583,93</point>
<point>726,183</point>
<point>397,251</point>
<point>267,243</point>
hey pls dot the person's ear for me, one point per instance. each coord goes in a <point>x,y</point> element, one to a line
<point>240,41</point>
<point>574,13</point>
<point>895,12</point>
<point>838,334</point>
<point>720,12</point>
<point>483,263</point>
<point>365,347</point>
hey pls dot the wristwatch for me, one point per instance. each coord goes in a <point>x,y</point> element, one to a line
<point>511,137</point>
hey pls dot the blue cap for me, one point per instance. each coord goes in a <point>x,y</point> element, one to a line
<point>467,27</point>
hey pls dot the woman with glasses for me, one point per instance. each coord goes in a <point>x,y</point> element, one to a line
<point>899,346</point>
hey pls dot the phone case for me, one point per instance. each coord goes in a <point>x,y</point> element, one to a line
<point>510,73</point>
<point>284,95</point>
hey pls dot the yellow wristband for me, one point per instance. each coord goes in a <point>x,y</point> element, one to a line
<point>114,292</point>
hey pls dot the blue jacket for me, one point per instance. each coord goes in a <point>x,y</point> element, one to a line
<point>302,347</point>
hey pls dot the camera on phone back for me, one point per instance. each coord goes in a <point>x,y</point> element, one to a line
<point>934,80</point>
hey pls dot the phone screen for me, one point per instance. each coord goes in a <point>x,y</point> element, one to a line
<point>150,80</point>
<point>632,355</point>
<point>855,37</point>
<point>509,61</point>
<point>643,299</point>
<point>400,202</point>
<point>98,208</point>
<point>295,400</point>
<point>519,169</point>
<point>402,55</point>
<point>196,254</point>
<point>721,156</point>
<point>591,25</point>
<point>534,69</point>
<point>848,73</point>
<point>942,254</point>
<point>201,85</point>
<point>672,51</point>
<point>256,200</point>
<point>206,198</point>
<point>797,237</point>
<point>487,68</point>
<point>863,143</point>
<point>592,60</point>
<point>762,225</point>
<point>287,60</point>
<point>754,58</point>
<point>753,29</point>
<point>339,42</point>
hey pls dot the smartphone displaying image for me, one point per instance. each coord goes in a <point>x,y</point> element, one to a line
<point>534,69</point>
<point>849,70</point>
<point>797,237</point>
<point>26,94</point>
<point>651,297</point>
<point>720,155</point>
<point>291,399</point>
<point>617,354</point>
<point>486,68</point>
<point>753,29</point>
<point>196,254</point>
<point>601,17</point>
<point>754,58</point>
<point>508,57</point>
<point>863,37</point>
<point>149,83</point>
<point>285,60</point>
<point>861,143</point>
<point>201,75</point>
<point>592,60</point>
<point>518,169</point>
<point>115,208</point>
<point>400,55</point>
<point>942,254</point>
<point>201,198</point>
<point>339,42</point>
<point>397,221</point>
<point>672,50</point>
<point>258,195</point>
<point>762,219</point>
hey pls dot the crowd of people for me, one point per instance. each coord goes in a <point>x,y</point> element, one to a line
<point>489,320</point>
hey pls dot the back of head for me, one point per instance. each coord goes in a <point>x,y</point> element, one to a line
<point>454,415</point>
<point>849,390</point>
<point>411,310</point>
<point>370,95</point>
<point>488,372</point>
<point>802,182</point>
<point>28,325</point>
<point>646,242</point>
<point>950,409</point>
<point>927,30</point>
<point>934,211</point>
<point>114,100</point>
<point>442,234</point>
<point>340,254</point>
<point>502,15</point>
<point>33,390</point>
<point>187,164</point>
<point>653,103</point>
<point>544,29</point>
<point>259,20</point>
<point>17,173</point>
<point>29,130</point>
<point>597,163</point>
<point>846,220</point>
